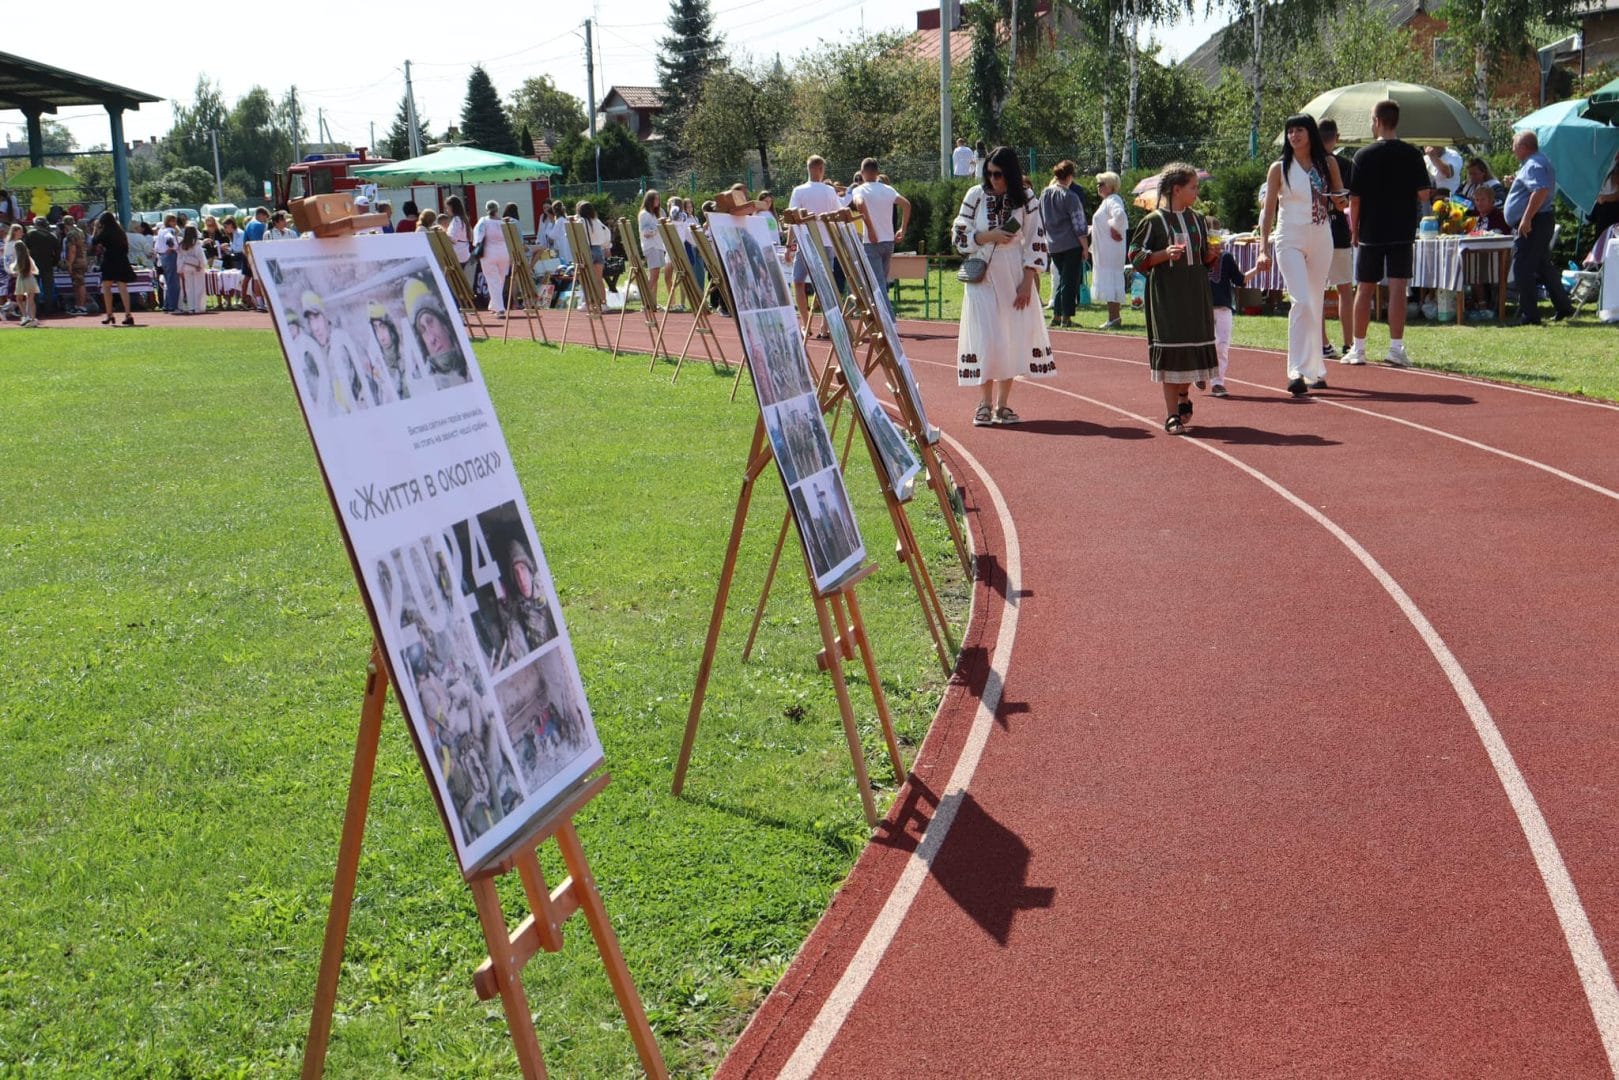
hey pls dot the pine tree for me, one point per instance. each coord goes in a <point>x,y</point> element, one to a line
<point>483,120</point>
<point>525,142</point>
<point>686,58</point>
<point>396,144</point>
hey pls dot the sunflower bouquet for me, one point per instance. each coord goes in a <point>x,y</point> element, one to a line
<point>1454,217</point>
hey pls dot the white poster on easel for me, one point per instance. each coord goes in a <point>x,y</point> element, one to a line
<point>435,520</point>
<point>878,293</point>
<point>787,398</point>
<point>899,462</point>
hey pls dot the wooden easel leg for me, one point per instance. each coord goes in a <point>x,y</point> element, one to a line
<point>618,972</point>
<point>705,667</point>
<point>573,299</point>
<point>941,487</point>
<point>743,366</point>
<point>623,315</point>
<point>770,577</point>
<point>509,977</point>
<point>348,866</point>
<point>823,615</point>
<point>869,660</point>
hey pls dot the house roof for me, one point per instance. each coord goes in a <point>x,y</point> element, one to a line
<point>30,85</point>
<point>924,45</point>
<point>634,97</point>
<point>1205,59</point>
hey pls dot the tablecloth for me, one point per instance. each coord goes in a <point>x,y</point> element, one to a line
<point>1455,262</point>
<point>1246,252</point>
<point>223,283</point>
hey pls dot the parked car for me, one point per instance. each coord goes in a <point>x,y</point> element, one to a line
<point>222,210</point>
<point>191,215</point>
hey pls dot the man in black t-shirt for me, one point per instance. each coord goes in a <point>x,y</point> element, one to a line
<point>1385,203</point>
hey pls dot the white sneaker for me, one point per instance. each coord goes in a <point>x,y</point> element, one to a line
<point>1397,357</point>
<point>1355,354</point>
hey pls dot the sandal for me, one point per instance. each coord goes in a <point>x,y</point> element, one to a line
<point>1173,426</point>
<point>1004,415</point>
<point>984,417</point>
<point>1184,407</point>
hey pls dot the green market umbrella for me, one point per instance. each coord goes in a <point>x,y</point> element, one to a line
<point>1580,149</point>
<point>457,165</point>
<point>1426,115</point>
<point>1603,105</point>
<point>41,176</point>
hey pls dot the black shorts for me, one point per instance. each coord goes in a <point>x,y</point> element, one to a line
<point>1374,262</point>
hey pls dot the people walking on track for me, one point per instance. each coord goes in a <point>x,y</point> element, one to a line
<point>1385,202</point>
<point>1171,247</point>
<point>1062,208</point>
<point>1110,235</point>
<point>1003,329</point>
<point>1301,190</point>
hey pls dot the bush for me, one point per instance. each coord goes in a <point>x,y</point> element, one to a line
<point>933,211</point>
<point>1234,194</point>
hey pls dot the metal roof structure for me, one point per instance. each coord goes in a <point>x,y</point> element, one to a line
<point>35,87</point>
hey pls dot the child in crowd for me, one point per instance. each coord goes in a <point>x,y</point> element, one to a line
<point>192,263</point>
<point>24,282</point>
<point>1224,278</point>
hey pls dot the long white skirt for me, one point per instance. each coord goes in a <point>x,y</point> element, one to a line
<point>996,340</point>
<point>1107,273</point>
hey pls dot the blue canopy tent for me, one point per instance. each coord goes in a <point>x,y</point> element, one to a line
<point>1580,149</point>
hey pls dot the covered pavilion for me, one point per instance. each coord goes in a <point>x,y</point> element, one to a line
<point>36,89</point>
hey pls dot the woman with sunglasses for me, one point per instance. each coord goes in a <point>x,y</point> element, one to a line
<point>1171,247</point>
<point>1003,327</point>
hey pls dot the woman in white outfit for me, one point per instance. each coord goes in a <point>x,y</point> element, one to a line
<point>652,249</point>
<point>1003,327</point>
<point>496,261</point>
<point>1300,191</point>
<point>1110,233</point>
<point>460,230</point>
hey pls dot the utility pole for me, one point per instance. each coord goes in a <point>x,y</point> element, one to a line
<point>590,78</point>
<point>1253,132</point>
<point>410,116</point>
<point>297,141</point>
<point>219,185</point>
<point>372,146</point>
<point>945,28</point>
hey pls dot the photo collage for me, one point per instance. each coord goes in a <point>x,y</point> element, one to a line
<point>363,334</point>
<point>787,398</point>
<point>496,693</point>
<point>899,461</point>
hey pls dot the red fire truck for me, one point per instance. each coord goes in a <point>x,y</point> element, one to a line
<point>322,174</point>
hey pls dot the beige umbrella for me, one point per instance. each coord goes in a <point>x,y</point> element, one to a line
<point>1426,115</point>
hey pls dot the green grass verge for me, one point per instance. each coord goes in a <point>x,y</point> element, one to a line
<point>184,652</point>
<point>1574,358</point>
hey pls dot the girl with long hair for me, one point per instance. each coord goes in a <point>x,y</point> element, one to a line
<point>460,230</point>
<point>1003,327</point>
<point>652,249</point>
<point>1304,186</point>
<point>1171,247</point>
<point>192,264</point>
<point>111,246</point>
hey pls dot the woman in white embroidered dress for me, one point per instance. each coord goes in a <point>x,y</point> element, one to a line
<point>1003,328</point>
<point>1110,232</point>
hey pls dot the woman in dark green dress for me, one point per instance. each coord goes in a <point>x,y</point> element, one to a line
<point>1171,247</point>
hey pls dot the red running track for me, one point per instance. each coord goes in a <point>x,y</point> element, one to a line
<point>1282,748</point>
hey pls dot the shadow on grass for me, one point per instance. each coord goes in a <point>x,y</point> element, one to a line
<point>835,836</point>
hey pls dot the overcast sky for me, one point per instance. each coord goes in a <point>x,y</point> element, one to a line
<point>355,73</point>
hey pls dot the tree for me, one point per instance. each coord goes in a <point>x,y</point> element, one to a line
<point>188,185</point>
<point>986,81</point>
<point>541,107</point>
<point>1503,30</point>
<point>686,58</point>
<point>740,110</point>
<point>483,121</point>
<point>396,144</point>
<point>188,142</point>
<point>256,139</point>
<point>525,141</point>
<point>622,157</point>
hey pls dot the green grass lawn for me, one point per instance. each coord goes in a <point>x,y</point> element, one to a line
<point>184,654</point>
<point>1576,358</point>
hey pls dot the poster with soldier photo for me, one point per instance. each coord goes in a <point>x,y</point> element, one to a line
<point>899,461</point>
<point>877,291</point>
<point>446,552</point>
<point>787,399</point>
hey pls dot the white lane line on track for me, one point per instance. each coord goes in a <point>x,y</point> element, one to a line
<point>1589,961</point>
<point>1567,399</point>
<point>835,1010</point>
<point>1443,434</point>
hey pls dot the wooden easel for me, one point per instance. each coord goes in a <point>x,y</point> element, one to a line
<point>635,266</point>
<point>509,951</point>
<point>716,277</point>
<point>444,250</point>
<point>685,283</point>
<point>520,285</point>
<point>834,394</point>
<point>584,278</point>
<point>837,611</point>
<point>857,273</point>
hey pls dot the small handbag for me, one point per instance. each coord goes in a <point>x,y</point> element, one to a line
<point>973,269</point>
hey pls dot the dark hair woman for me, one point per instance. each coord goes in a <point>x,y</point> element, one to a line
<point>1003,330</point>
<point>600,238</point>
<point>112,248</point>
<point>1301,191</point>
<point>408,222</point>
<point>460,230</point>
<point>1170,246</point>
